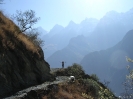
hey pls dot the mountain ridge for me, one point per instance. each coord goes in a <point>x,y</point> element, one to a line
<point>112,59</point>
<point>104,36</point>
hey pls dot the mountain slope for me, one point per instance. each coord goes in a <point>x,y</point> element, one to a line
<point>111,64</point>
<point>59,37</point>
<point>22,63</point>
<point>72,53</point>
<point>111,29</point>
<point>108,32</point>
<point>87,87</point>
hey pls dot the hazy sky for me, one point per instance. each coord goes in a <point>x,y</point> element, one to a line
<point>62,12</point>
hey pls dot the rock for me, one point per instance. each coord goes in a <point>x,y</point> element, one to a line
<point>22,63</point>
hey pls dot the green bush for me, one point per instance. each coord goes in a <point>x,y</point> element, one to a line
<point>91,87</point>
<point>94,77</point>
<point>128,84</point>
<point>75,70</point>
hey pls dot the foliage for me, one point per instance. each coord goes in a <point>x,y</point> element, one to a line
<point>92,86</point>
<point>87,96</point>
<point>96,90</point>
<point>128,84</point>
<point>94,77</point>
<point>26,20</point>
<point>75,70</point>
<point>33,36</point>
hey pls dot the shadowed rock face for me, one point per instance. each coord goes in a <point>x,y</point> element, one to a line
<point>22,63</point>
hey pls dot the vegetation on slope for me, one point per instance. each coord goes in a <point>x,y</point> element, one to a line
<point>128,84</point>
<point>85,86</point>
<point>22,62</point>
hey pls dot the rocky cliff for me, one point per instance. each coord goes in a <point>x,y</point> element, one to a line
<point>22,63</point>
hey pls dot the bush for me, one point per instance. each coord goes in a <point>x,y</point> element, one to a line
<point>91,87</point>
<point>75,70</point>
<point>94,77</point>
<point>33,36</point>
<point>128,84</point>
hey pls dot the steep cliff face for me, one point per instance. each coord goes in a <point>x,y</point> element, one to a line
<point>22,63</point>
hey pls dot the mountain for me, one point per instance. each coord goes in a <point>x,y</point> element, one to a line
<point>77,48</point>
<point>41,31</point>
<point>87,26</point>
<point>110,64</point>
<point>106,33</point>
<point>59,37</point>
<point>111,29</point>
<point>54,31</point>
<point>22,63</point>
<point>50,43</point>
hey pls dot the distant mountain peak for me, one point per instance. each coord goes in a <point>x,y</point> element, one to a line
<point>57,27</point>
<point>41,30</point>
<point>71,23</point>
<point>89,20</point>
<point>112,12</point>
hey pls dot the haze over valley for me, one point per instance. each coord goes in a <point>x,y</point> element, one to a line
<point>94,34</point>
<point>81,43</point>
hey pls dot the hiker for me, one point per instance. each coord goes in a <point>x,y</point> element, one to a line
<point>62,64</point>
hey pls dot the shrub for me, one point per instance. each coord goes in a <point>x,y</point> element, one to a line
<point>128,84</point>
<point>33,36</point>
<point>94,77</point>
<point>75,70</point>
<point>91,87</point>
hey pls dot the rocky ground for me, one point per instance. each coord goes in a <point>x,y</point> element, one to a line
<point>61,88</point>
<point>39,89</point>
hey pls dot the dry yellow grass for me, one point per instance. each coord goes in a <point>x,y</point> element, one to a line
<point>67,91</point>
<point>9,31</point>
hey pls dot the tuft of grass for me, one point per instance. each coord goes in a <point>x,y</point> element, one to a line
<point>11,36</point>
<point>87,89</point>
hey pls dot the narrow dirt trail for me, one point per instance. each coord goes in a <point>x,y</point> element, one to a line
<point>43,86</point>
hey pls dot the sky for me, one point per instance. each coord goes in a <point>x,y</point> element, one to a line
<point>61,12</point>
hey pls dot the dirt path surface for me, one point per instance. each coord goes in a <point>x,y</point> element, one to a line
<point>43,86</point>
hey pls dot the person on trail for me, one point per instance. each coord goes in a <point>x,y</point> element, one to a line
<point>63,64</point>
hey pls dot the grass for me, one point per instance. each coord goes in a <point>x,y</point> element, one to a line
<point>9,32</point>
<point>85,87</point>
<point>66,91</point>
<point>78,90</point>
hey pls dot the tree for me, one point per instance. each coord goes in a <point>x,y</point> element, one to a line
<point>33,35</point>
<point>25,20</point>
<point>128,84</point>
